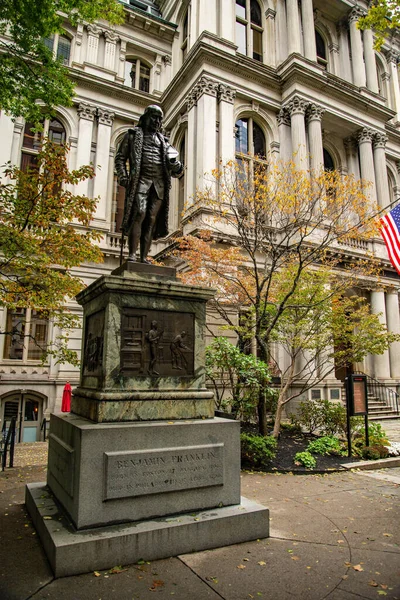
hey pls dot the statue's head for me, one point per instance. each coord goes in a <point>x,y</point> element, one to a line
<point>151,119</point>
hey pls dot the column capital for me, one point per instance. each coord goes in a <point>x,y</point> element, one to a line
<point>86,111</point>
<point>94,30</point>
<point>380,140</point>
<point>204,85</point>
<point>111,36</point>
<point>393,56</point>
<point>226,93</point>
<point>106,117</point>
<point>297,106</point>
<point>350,143</point>
<point>314,112</point>
<point>365,135</point>
<point>283,117</point>
<point>355,14</point>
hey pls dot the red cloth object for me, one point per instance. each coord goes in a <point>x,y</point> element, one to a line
<point>66,398</point>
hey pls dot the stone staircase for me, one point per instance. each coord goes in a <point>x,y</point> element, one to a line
<point>378,410</point>
<point>383,401</point>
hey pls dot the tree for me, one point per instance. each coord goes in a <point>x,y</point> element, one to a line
<point>28,70</point>
<point>275,251</point>
<point>382,16</point>
<point>44,233</point>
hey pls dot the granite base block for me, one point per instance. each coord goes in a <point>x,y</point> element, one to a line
<point>72,552</point>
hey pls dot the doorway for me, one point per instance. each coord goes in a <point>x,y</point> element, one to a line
<point>27,408</point>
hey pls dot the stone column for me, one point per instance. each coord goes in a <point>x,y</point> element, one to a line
<point>367,170</point>
<point>293,26</point>
<point>110,50</point>
<point>167,71</point>
<point>269,50</point>
<point>314,117</point>
<point>206,140</point>
<point>334,58</point>
<point>356,48</point>
<point>393,323</point>
<point>344,51</point>
<point>227,20</point>
<point>7,129</point>
<point>381,362</point>
<point>381,179</point>
<point>105,121</point>
<point>155,80</point>
<point>121,63</point>
<point>207,16</point>
<point>281,43</point>
<point>92,43</point>
<point>285,135</point>
<point>86,114</point>
<point>393,60</point>
<point>226,98</point>
<point>297,109</point>
<point>351,147</point>
<point>370,63</point>
<point>191,142</point>
<point>77,46</point>
<point>307,17</point>
<point>19,126</point>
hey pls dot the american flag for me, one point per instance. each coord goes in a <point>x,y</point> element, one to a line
<point>390,230</point>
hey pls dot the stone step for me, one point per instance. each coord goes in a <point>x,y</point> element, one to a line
<point>382,417</point>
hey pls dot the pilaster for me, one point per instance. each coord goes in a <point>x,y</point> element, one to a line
<point>381,179</point>
<point>314,118</point>
<point>370,63</point>
<point>226,97</point>
<point>293,26</point>
<point>307,16</point>
<point>105,121</point>
<point>297,108</point>
<point>110,50</point>
<point>357,48</point>
<point>393,60</point>
<point>381,364</point>
<point>93,43</point>
<point>86,113</point>
<point>367,169</point>
<point>285,139</point>
<point>393,323</point>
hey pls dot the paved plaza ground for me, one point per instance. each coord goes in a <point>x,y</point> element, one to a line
<point>333,536</point>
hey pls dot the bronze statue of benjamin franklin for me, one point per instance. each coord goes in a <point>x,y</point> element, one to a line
<point>152,163</point>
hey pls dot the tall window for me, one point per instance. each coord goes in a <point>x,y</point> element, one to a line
<point>26,335</point>
<point>60,45</point>
<point>185,35</point>
<point>137,74</point>
<point>322,57</point>
<point>249,28</point>
<point>250,138</point>
<point>329,164</point>
<point>32,140</point>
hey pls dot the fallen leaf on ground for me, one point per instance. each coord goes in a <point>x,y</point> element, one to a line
<point>373,583</point>
<point>261,563</point>
<point>358,568</point>
<point>97,574</point>
<point>241,567</point>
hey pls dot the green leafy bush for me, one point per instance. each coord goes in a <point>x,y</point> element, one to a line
<point>306,459</point>
<point>377,436</point>
<point>325,445</point>
<point>374,452</point>
<point>256,450</point>
<point>328,417</point>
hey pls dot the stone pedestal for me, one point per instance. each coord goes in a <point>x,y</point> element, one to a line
<point>141,468</point>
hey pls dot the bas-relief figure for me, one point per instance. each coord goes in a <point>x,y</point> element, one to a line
<point>152,163</point>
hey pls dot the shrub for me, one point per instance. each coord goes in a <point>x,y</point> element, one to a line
<point>309,416</point>
<point>256,450</point>
<point>306,459</point>
<point>377,436</point>
<point>374,452</point>
<point>325,445</point>
<point>329,417</point>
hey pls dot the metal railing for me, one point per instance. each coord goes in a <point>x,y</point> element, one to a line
<point>43,428</point>
<point>383,393</point>
<point>7,443</point>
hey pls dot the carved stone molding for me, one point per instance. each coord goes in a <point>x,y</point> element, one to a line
<point>167,60</point>
<point>226,93</point>
<point>314,112</point>
<point>393,56</point>
<point>350,143</point>
<point>94,30</point>
<point>365,135</point>
<point>205,85</point>
<point>270,13</point>
<point>297,106</point>
<point>283,117</point>
<point>105,116</point>
<point>380,140</point>
<point>355,14</point>
<point>86,111</point>
<point>111,37</point>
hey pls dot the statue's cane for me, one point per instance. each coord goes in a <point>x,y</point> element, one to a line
<point>122,247</point>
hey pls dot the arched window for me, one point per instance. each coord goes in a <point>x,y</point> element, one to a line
<point>60,45</point>
<point>250,138</point>
<point>32,140</point>
<point>322,56</point>
<point>249,28</point>
<point>137,74</point>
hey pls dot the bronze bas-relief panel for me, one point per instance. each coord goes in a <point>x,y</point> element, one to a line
<point>157,343</point>
<point>94,345</point>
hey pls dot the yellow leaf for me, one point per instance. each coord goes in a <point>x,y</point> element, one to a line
<point>241,567</point>
<point>261,563</point>
<point>358,568</point>
<point>97,574</point>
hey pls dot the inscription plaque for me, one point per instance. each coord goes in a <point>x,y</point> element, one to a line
<point>157,343</point>
<point>143,472</point>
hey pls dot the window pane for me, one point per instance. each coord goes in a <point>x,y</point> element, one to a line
<point>14,339</point>
<point>28,161</point>
<point>64,49</point>
<point>329,165</point>
<point>49,42</point>
<point>241,37</point>
<point>242,138</point>
<point>130,71</point>
<point>257,44</point>
<point>144,79</point>
<point>241,8</point>
<point>56,132</point>
<point>255,13</point>
<point>37,336</point>
<point>321,49</point>
<point>258,141</point>
<point>31,410</point>
<point>185,27</point>
<point>31,139</point>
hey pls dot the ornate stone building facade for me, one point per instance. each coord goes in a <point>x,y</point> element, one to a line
<point>232,76</point>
